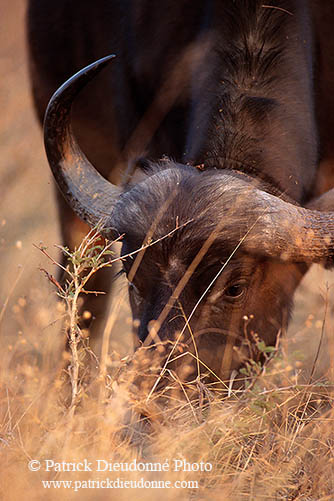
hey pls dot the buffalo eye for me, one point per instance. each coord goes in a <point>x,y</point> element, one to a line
<point>235,291</point>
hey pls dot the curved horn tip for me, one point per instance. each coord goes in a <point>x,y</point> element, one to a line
<point>76,82</point>
<point>94,67</point>
<point>87,192</point>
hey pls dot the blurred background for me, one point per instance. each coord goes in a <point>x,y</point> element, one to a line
<point>27,211</point>
<point>30,320</point>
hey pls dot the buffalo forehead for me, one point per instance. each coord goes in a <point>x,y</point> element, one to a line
<point>174,270</point>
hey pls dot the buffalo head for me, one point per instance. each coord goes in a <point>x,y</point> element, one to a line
<point>224,255</point>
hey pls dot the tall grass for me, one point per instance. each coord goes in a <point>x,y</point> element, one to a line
<point>274,439</point>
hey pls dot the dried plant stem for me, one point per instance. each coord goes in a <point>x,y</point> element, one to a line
<point>75,339</point>
<point>321,337</point>
<point>4,307</point>
<point>84,262</point>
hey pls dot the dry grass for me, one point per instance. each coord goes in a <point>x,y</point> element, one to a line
<point>274,441</point>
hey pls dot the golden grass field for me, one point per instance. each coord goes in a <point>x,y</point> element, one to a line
<point>275,441</point>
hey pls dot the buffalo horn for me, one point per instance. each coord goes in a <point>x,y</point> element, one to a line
<point>284,231</point>
<point>90,195</point>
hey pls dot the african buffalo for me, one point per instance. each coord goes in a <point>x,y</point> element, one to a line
<point>218,108</point>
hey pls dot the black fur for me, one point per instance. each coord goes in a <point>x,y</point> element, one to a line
<point>220,86</point>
